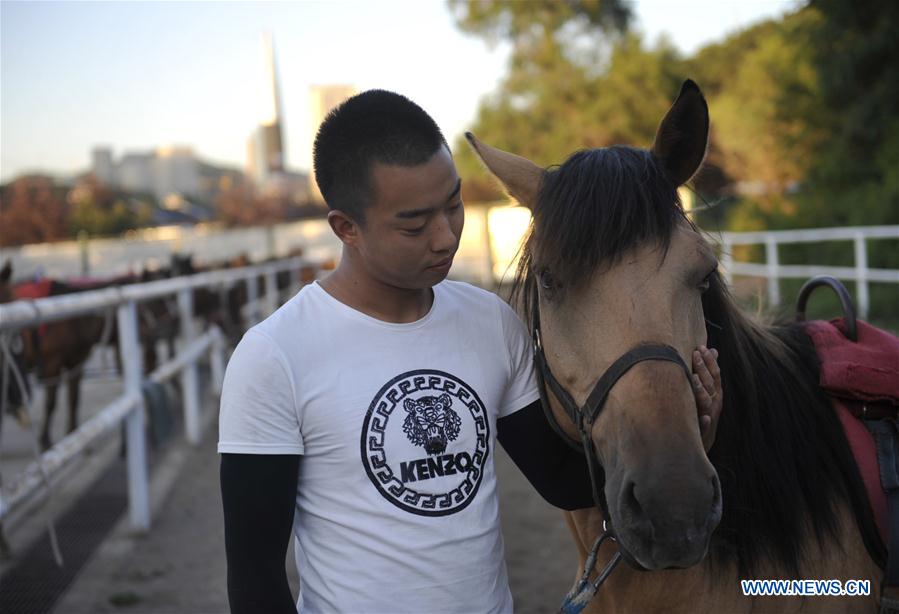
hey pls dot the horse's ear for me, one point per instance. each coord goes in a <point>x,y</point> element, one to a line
<point>519,176</point>
<point>683,135</point>
<point>6,273</point>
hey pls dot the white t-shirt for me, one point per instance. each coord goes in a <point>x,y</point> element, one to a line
<point>396,500</point>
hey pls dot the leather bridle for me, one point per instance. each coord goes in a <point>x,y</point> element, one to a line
<point>583,418</point>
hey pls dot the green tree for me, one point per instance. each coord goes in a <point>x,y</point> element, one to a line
<point>804,108</point>
<point>525,23</point>
<point>101,211</point>
<point>576,79</point>
<point>762,89</point>
<point>857,58</point>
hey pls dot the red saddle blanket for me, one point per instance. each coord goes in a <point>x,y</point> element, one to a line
<point>862,380</point>
<point>33,289</point>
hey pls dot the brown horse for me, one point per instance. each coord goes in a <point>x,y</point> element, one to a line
<point>612,262</point>
<point>56,352</point>
<point>12,396</point>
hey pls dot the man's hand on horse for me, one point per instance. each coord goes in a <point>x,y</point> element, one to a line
<point>709,396</point>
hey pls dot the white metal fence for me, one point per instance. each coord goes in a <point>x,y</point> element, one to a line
<point>152,248</point>
<point>773,271</point>
<point>129,407</point>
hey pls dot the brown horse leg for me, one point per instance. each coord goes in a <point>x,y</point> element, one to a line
<point>49,408</point>
<point>74,388</point>
<point>150,357</point>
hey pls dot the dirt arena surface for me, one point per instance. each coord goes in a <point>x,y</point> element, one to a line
<point>179,567</point>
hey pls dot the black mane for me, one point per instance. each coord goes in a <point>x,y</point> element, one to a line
<point>594,208</point>
<point>781,454</point>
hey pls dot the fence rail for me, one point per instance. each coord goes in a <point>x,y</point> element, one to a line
<point>129,406</point>
<point>263,297</point>
<point>773,271</point>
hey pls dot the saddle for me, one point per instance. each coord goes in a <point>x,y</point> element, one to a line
<point>862,380</point>
<point>861,377</point>
<point>39,288</point>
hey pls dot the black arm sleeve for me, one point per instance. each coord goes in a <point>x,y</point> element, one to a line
<point>558,472</point>
<point>258,497</point>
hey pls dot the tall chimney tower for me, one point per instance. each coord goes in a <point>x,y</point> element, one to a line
<point>271,121</point>
<point>266,144</point>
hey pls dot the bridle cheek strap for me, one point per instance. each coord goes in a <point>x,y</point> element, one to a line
<point>584,416</point>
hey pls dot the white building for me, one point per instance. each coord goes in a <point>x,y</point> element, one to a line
<point>103,166</point>
<point>167,170</point>
<point>322,99</point>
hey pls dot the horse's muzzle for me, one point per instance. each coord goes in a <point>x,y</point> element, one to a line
<point>655,533</point>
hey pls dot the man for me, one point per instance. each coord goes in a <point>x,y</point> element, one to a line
<point>364,411</point>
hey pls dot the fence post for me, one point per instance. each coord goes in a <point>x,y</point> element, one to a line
<point>271,292</point>
<point>861,274</point>
<point>727,258</point>
<point>773,281</point>
<point>253,299</point>
<point>132,372</point>
<point>217,360</point>
<point>190,388</point>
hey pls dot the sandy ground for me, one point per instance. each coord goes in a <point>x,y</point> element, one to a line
<point>180,565</point>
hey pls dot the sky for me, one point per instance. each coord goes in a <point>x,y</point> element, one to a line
<point>134,76</point>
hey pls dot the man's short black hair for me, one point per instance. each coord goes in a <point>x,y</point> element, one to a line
<point>374,126</point>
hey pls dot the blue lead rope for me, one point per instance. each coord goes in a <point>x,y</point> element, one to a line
<point>582,592</point>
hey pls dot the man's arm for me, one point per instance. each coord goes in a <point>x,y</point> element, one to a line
<point>258,497</point>
<point>554,469</point>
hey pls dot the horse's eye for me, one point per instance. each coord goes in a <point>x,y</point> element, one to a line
<point>706,283</point>
<point>546,280</point>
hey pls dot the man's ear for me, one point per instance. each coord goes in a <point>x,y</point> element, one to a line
<point>345,227</point>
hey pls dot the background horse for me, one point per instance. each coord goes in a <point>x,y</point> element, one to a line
<point>55,351</point>
<point>615,263</point>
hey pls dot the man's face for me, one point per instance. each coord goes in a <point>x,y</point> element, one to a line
<point>413,224</point>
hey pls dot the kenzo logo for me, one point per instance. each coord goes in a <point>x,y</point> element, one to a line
<point>430,413</point>
<point>431,422</point>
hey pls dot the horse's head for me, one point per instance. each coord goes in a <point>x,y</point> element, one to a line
<point>182,264</point>
<point>616,264</point>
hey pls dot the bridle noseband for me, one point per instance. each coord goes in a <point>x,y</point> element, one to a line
<point>583,418</point>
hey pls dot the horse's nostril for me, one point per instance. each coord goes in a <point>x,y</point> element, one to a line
<point>629,503</point>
